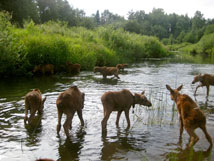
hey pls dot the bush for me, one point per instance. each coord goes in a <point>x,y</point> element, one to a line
<point>12,52</point>
<point>55,43</point>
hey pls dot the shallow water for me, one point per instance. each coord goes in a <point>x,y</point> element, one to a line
<point>153,134</point>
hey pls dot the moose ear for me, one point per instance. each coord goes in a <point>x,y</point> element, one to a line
<point>168,87</point>
<point>180,87</point>
<point>143,93</point>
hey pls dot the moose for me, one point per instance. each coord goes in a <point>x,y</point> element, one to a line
<point>34,103</point>
<point>205,80</point>
<point>69,102</point>
<point>121,66</point>
<point>107,71</point>
<point>121,101</point>
<point>73,68</point>
<point>44,69</point>
<point>191,116</point>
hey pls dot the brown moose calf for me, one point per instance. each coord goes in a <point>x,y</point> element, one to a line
<point>205,80</point>
<point>107,71</point>
<point>34,103</point>
<point>121,101</point>
<point>44,69</point>
<point>121,66</point>
<point>191,116</point>
<point>69,102</point>
<point>73,68</point>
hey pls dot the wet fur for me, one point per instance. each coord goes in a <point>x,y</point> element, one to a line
<point>107,71</point>
<point>205,80</point>
<point>34,103</point>
<point>69,102</point>
<point>44,69</point>
<point>73,68</point>
<point>120,101</point>
<point>191,116</point>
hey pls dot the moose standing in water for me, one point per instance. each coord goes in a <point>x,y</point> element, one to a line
<point>121,101</point>
<point>205,80</point>
<point>191,116</point>
<point>34,103</point>
<point>69,102</point>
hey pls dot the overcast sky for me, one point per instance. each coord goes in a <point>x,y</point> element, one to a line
<point>122,7</point>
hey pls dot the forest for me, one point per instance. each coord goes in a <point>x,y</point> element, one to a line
<point>36,32</point>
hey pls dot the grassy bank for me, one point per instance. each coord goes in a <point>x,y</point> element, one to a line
<point>55,43</point>
<point>201,52</point>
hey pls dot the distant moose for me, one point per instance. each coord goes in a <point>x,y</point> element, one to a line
<point>73,68</point>
<point>121,66</point>
<point>44,69</point>
<point>34,103</point>
<point>191,116</point>
<point>205,80</point>
<point>107,71</point>
<point>121,101</point>
<point>69,102</point>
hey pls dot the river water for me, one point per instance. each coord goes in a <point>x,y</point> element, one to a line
<point>154,130</point>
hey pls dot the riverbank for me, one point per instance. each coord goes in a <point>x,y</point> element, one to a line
<point>55,43</point>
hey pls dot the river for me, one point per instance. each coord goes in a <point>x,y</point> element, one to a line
<point>154,131</point>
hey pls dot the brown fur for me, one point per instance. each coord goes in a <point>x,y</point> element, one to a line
<point>121,66</point>
<point>69,102</point>
<point>73,68</point>
<point>121,101</point>
<point>34,103</point>
<point>107,71</point>
<point>191,116</point>
<point>44,69</point>
<point>205,80</point>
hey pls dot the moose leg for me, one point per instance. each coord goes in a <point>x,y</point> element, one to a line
<point>116,75</point>
<point>197,88</point>
<point>68,123</point>
<point>79,112</point>
<point>193,137</point>
<point>181,128</point>
<point>59,121</point>
<point>118,118</point>
<point>105,119</point>
<point>209,139</point>
<point>208,90</point>
<point>127,118</point>
<point>32,115</point>
<point>26,113</point>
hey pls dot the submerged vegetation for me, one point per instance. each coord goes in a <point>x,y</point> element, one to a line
<point>55,43</point>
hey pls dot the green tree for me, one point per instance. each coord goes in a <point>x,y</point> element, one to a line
<point>20,10</point>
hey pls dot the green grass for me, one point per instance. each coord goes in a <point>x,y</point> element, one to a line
<point>55,43</point>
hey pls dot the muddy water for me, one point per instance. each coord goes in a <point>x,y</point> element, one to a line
<point>153,134</point>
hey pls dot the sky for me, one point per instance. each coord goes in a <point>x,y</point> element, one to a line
<point>122,7</point>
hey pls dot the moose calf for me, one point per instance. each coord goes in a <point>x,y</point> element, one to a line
<point>34,103</point>
<point>205,80</point>
<point>121,101</point>
<point>121,66</point>
<point>73,68</point>
<point>191,116</point>
<point>44,69</point>
<point>69,102</point>
<point>107,71</point>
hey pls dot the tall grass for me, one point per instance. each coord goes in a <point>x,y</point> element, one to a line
<point>55,43</point>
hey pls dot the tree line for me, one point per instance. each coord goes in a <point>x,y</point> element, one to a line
<point>169,28</point>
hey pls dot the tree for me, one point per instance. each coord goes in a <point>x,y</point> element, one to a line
<point>97,17</point>
<point>198,21</point>
<point>20,10</point>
